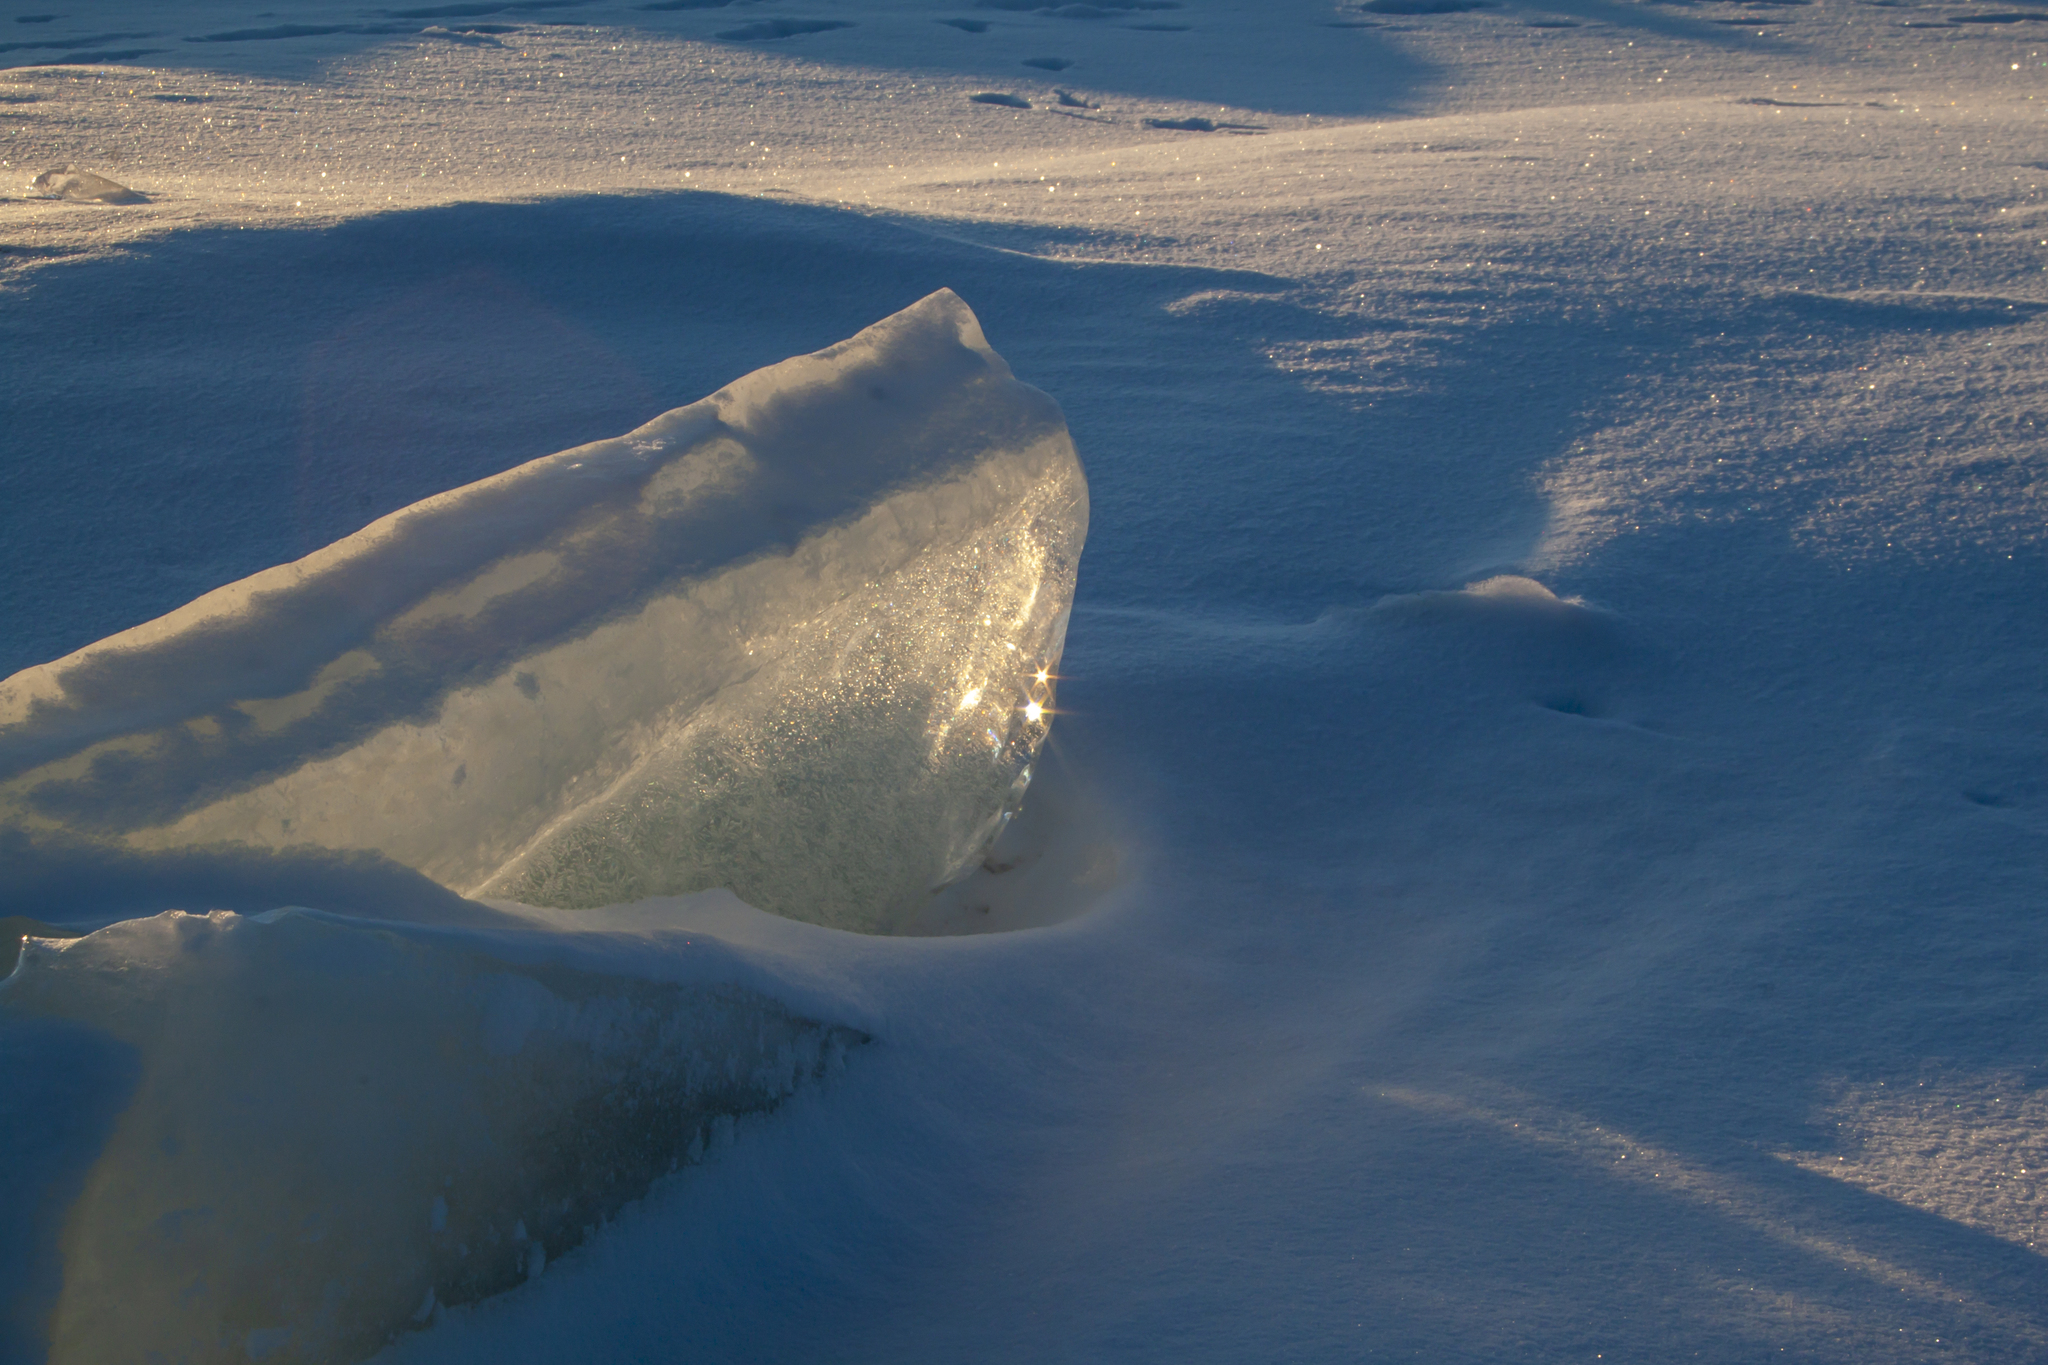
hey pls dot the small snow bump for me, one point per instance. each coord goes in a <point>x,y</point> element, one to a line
<point>85,188</point>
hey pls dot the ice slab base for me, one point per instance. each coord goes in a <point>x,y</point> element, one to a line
<point>334,1128</point>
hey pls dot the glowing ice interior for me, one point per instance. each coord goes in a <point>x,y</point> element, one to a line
<point>797,639</point>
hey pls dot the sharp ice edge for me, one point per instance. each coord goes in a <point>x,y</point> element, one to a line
<point>731,648</point>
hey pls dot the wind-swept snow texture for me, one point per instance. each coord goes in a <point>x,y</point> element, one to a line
<point>334,1129</point>
<point>796,639</point>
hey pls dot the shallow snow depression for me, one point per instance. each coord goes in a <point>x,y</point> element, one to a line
<point>797,640</point>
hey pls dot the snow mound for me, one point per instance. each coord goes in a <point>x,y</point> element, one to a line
<point>335,1128</point>
<point>85,188</point>
<point>796,639</point>
<point>1513,633</point>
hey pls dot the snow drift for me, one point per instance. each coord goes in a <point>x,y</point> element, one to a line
<point>796,639</point>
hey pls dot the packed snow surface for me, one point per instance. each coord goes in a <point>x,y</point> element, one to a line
<point>1540,853</point>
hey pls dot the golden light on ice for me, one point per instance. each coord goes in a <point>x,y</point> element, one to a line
<point>1044,674</point>
<point>973,698</point>
<point>1032,711</point>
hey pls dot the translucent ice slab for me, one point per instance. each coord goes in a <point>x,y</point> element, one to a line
<point>322,1130</point>
<point>796,639</point>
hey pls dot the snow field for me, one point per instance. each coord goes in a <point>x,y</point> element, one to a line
<point>1444,910</point>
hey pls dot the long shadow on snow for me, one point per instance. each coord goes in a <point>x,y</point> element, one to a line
<point>1281,69</point>
<point>1255,59</point>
